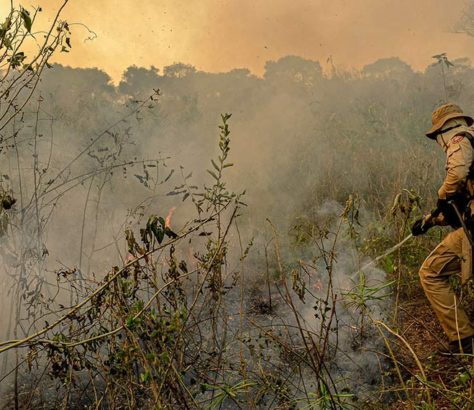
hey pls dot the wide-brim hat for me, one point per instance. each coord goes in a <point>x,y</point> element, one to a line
<point>443,114</point>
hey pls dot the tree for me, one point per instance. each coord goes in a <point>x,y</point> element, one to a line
<point>388,67</point>
<point>139,80</point>
<point>293,69</point>
<point>179,70</point>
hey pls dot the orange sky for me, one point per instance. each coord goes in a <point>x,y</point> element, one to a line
<point>218,35</point>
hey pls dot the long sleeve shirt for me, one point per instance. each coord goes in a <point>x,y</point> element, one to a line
<point>459,157</point>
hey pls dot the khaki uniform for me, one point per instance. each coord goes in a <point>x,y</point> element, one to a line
<point>453,256</point>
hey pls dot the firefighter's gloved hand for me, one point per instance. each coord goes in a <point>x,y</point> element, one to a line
<point>421,226</point>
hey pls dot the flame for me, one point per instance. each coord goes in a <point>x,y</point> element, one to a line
<point>318,285</point>
<point>168,217</point>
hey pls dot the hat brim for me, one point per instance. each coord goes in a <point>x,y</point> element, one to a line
<point>437,127</point>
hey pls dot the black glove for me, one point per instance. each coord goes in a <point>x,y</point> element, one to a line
<point>446,208</point>
<point>421,226</point>
<point>442,207</point>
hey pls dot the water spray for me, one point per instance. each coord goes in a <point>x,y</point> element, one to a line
<point>385,254</point>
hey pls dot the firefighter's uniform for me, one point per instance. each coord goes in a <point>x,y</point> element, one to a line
<point>453,256</point>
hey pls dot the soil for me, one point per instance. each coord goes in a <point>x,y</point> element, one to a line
<point>419,326</point>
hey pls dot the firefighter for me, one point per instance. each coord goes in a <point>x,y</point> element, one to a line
<point>453,131</point>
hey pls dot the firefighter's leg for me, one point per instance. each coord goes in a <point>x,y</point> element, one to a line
<point>444,261</point>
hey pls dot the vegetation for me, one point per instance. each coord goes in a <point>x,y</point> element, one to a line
<point>256,293</point>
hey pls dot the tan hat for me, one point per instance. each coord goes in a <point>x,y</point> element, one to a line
<point>443,114</point>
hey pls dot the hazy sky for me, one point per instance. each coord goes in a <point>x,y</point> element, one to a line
<point>218,35</point>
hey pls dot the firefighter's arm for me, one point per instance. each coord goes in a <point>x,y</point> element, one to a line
<point>459,156</point>
<point>458,161</point>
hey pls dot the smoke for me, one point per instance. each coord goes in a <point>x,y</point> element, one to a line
<point>338,302</point>
<point>299,139</point>
<point>359,345</point>
<point>353,33</point>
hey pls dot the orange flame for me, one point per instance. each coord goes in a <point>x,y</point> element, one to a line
<point>168,217</point>
<point>318,285</point>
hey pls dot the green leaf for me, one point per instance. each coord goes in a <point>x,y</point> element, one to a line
<point>130,322</point>
<point>25,15</point>
<point>464,378</point>
<point>215,165</point>
<point>213,174</point>
<point>170,233</point>
<point>164,358</point>
<point>158,233</point>
<point>144,377</point>
<point>169,176</point>
<point>7,42</point>
<point>172,193</point>
<point>17,59</point>
<point>6,26</point>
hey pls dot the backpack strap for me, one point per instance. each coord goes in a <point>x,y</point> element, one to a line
<point>470,187</point>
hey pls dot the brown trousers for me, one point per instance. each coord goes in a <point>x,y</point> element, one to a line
<point>451,257</point>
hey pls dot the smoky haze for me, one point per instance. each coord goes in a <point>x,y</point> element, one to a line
<point>300,139</point>
<point>218,36</point>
